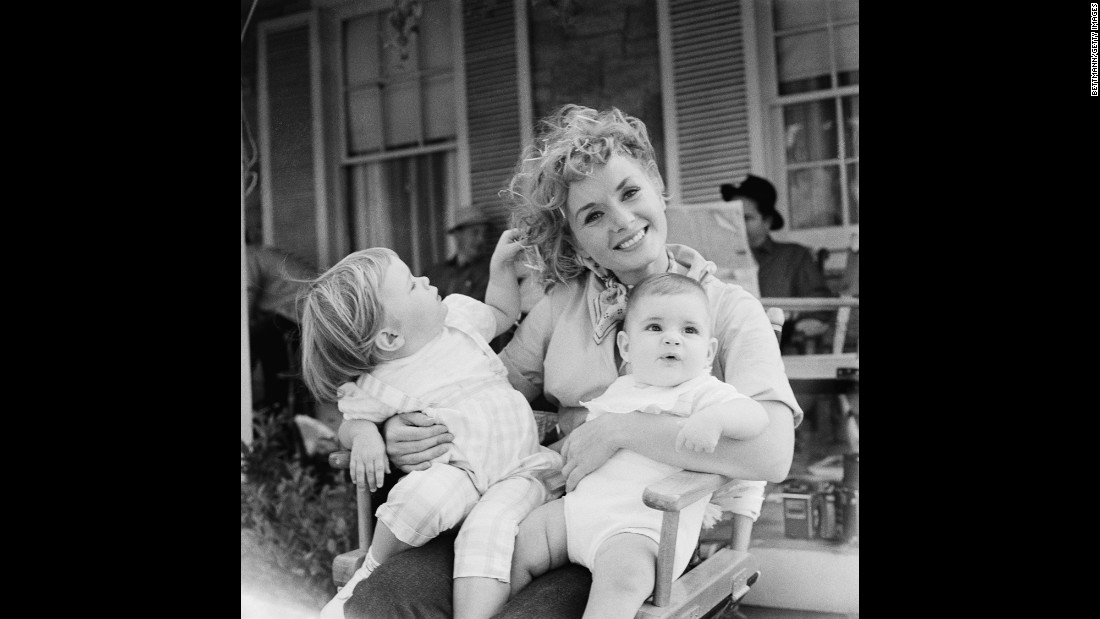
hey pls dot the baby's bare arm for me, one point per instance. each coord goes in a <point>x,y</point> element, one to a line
<point>739,419</point>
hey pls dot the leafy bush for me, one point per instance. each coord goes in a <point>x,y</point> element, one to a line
<point>303,512</point>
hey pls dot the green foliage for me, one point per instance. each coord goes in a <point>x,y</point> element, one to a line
<point>303,517</point>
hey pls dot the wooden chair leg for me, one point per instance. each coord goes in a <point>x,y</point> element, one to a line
<point>345,565</point>
<point>666,555</point>
<point>362,500</point>
<point>740,532</point>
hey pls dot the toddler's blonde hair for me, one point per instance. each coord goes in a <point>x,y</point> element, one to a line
<point>341,315</point>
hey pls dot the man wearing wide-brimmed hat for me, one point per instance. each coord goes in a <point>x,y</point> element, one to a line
<point>467,272</point>
<point>786,269</point>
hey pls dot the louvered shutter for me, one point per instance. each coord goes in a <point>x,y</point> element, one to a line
<point>492,104</point>
<point>709,85</point>
<point>708,68</point>
<point>290,196</point>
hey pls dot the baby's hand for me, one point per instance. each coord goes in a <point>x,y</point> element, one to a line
<point>510,244</point>
<point>698,434</point>
<point>368,460</point>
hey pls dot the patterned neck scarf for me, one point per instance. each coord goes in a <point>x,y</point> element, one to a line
<point>608,306</point>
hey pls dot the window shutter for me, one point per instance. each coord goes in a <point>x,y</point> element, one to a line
<point>709,77</point>
<point>289,182</point>
<point>492,104</point>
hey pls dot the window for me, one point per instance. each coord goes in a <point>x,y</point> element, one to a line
<point>399,129</point>
<point>810,73</point>
<point>398,98</point>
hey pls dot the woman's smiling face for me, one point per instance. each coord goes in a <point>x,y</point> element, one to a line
<point>617,218</point>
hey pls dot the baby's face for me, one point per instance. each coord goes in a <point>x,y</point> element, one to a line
<point>667,339</point>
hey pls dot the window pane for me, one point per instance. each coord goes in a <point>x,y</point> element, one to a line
<point>792,13</point>
<point>814,197</point>
<point>392,62</point>
<point>847,54</point>
<point>439,97</point>
<point>810,131</point>
<point>803,62</point>
<point>853,193</point>
<point>364,120</point>
<point>402,105</point>
<point>850,107</point>
<point>431,209</point>
<point>399,183</point>
<point>435,36</point>
<point>845,9</point>
<point>361,51</point>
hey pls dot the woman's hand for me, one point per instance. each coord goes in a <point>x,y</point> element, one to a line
<point>414,439</point>
<point>587,447</point>
<point>811,327</point>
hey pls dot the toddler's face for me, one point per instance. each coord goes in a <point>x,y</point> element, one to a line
<point>412,304</point>
<point>667,339</point>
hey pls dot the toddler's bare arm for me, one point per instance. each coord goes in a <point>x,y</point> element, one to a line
<point>503,294</point>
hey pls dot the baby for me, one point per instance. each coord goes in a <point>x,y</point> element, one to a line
<point>381,342</point>
<point>603,523</point>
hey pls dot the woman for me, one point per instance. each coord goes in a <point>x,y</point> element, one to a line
<point>588,195</point>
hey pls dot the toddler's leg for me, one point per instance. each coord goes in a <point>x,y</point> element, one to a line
<point>484,547</point>
<point>622,576</point>
<point>425,503</point>
<point>420,506</point>
<point>540,544</point>
<point>383,546</point>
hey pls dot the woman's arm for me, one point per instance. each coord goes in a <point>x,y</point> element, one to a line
<point>766,457</point>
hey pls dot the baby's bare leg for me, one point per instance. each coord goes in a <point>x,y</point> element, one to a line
<point>622,577</point>
<point>540,544</point>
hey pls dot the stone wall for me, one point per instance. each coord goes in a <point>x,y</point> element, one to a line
<point>604,55</point>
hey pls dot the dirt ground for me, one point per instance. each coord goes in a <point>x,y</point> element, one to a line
<point>269,592</point>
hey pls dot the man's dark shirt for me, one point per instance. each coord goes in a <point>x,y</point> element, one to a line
<point>471,279</point>
<point>789,270</point>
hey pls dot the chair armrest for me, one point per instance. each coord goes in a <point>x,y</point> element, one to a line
<point>340,459</point>
<point>681,489</point>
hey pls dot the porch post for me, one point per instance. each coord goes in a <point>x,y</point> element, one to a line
<point>246,373</point>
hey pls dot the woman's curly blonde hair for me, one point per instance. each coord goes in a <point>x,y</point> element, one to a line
<point>571,142</point>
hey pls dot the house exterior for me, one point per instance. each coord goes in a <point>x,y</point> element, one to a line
<point>355,142</point>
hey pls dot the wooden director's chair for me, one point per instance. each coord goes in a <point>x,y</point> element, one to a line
<point>723,576</point>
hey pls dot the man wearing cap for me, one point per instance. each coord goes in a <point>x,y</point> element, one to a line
<point>786,269</point>
<point>467,272</point>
